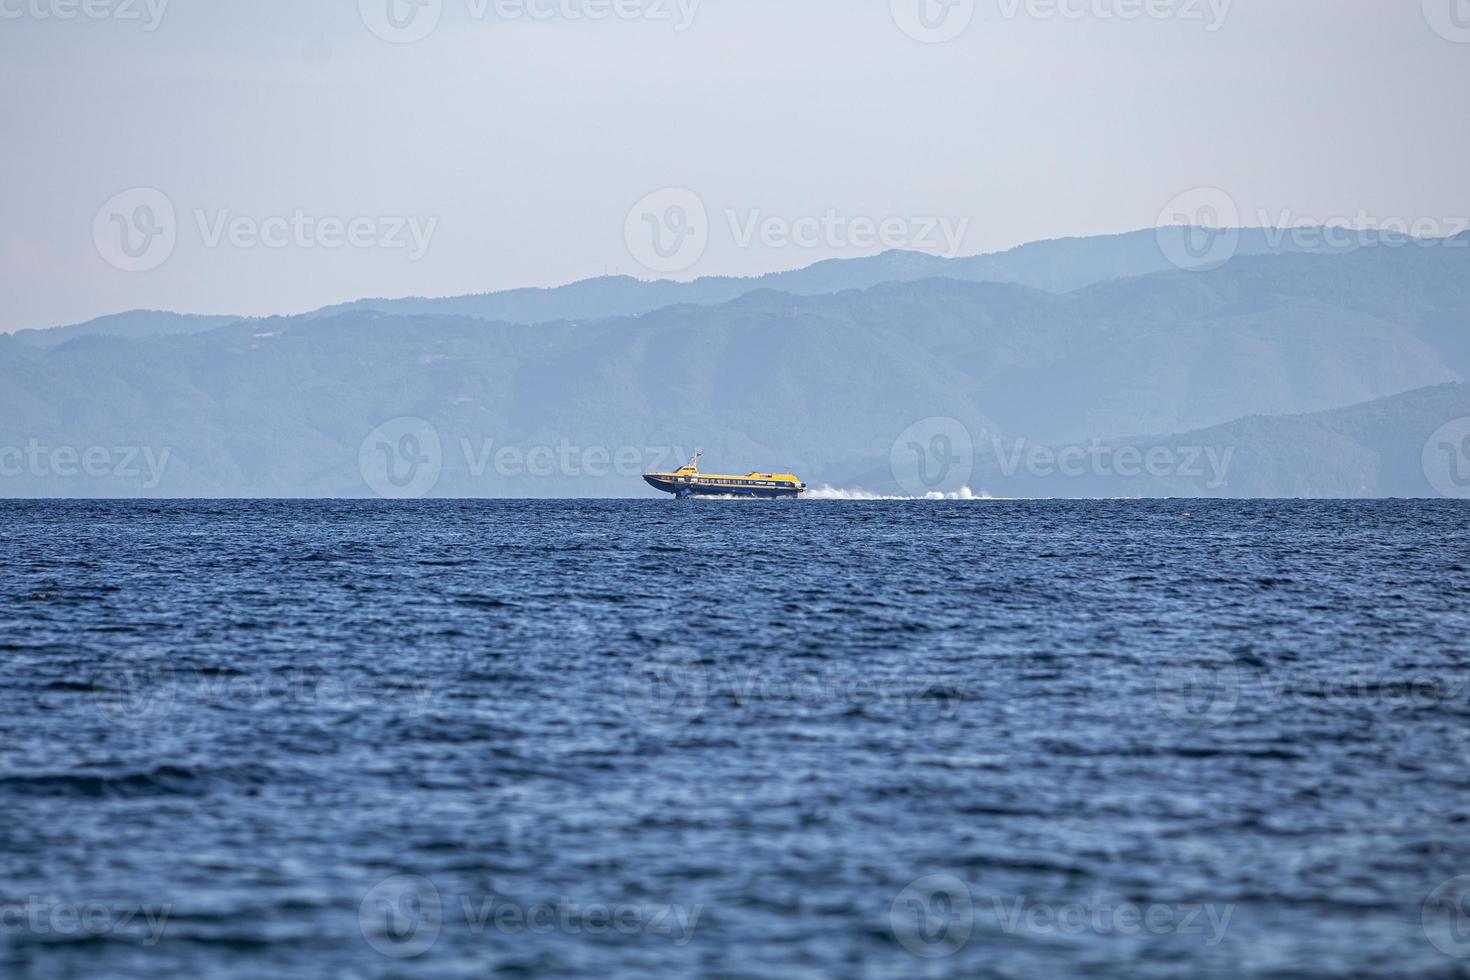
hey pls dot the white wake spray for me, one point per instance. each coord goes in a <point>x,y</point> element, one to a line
<point>835,493</point>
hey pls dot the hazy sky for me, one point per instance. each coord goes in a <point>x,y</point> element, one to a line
<point>278,155</point>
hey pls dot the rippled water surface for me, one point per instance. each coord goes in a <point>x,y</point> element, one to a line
<point>969,738</point>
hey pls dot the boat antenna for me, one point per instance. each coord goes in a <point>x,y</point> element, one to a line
<point>694,460</point>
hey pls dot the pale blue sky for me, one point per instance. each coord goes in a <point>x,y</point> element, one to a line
<point>514,147</point>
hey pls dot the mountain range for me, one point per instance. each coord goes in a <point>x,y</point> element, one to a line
<point>1323,371</point>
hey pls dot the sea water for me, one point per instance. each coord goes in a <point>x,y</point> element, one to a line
<point>816,738</point>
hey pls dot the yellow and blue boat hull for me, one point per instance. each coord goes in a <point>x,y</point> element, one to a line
<point>683,484</point>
